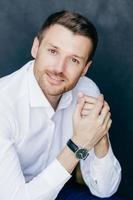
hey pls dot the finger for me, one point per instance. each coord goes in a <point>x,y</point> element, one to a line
<point>109,124</point>
<point>86,109</point>
<point>80,95</point>
<point>106,120</point>
<point>90,99</point>
<point>88,106</point>
<point>98,106</point>
<point>85,112</point>
<point>106,124</point>
<point>79,107</point>
<point>106,105</point>
<point>104,110</point>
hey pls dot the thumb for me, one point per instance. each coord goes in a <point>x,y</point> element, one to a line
<point>79,105</point>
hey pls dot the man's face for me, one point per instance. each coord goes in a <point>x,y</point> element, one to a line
<point>60,59</point>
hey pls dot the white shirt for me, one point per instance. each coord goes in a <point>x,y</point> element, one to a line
<point>32,135</point>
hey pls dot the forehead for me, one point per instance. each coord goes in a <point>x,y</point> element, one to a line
<point>63,38</point>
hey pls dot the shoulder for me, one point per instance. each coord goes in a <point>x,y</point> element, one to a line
<point>87,86</point>
<point>13,93</point>
<point>13,86</point>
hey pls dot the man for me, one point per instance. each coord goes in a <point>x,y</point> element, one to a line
<point>52,117</point>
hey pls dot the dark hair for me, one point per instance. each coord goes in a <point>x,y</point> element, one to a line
<point>75,22</point>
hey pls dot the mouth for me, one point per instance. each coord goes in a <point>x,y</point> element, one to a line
<point>53,79</point>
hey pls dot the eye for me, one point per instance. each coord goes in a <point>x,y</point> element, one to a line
<point>52,51</point>
<point>74,60</point>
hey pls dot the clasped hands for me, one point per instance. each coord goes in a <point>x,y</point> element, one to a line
<point>91,122</point>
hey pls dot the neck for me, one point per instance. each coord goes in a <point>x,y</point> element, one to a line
<point>53,100</point>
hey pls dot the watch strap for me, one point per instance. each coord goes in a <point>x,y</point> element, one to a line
<point>72,145</point>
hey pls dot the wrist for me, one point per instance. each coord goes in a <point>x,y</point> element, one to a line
<point>81,143</point>
<point>78,141</point>
<point>65,156</point>
<point>102,147</point>
<point>80,152</point>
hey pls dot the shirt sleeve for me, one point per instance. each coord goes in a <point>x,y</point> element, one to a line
<point>102,175</point>
<point>45,186</point>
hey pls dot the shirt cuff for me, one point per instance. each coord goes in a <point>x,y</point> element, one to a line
<point>55,174</point>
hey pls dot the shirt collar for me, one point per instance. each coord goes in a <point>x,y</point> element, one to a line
<point>65,100</point>
<point>37,97</point>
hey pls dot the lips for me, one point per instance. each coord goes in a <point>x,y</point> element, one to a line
<point>53,79</point>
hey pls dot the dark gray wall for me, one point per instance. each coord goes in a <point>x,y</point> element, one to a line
<point>112,69</point>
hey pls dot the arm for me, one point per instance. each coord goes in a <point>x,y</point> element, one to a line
<point>47,184</point>
<point>102,175</point>
<point>102,146</point>
<point>12,182</point>
<point>84,125</point>
<point>100,162</point>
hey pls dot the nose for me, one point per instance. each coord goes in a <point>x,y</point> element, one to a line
<point>60,65</point>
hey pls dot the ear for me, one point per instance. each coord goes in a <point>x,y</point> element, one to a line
<point>35,47</point>
<point>86,67</point>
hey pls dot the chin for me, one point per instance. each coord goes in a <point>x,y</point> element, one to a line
<point>55,93</point>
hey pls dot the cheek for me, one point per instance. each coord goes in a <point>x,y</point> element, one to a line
<point>43,60</point>
<point>74,72</point>
<point>74,77</point>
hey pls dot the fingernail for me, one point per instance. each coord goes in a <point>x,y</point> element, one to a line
<point>80,94</point>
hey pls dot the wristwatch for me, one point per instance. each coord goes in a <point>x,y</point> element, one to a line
<point>80,153</point>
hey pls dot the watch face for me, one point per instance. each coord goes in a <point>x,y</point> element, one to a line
<point>82,154</point>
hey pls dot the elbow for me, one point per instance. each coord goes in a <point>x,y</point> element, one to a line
<point>108,189</point>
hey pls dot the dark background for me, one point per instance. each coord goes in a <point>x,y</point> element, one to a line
<point>112,68</point>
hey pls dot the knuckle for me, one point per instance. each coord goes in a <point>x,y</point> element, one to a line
<point>99,104</point>
<point>107,106</point>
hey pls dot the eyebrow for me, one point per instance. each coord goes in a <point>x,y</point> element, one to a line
<point>80,57</point>
<point>53,45</point>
